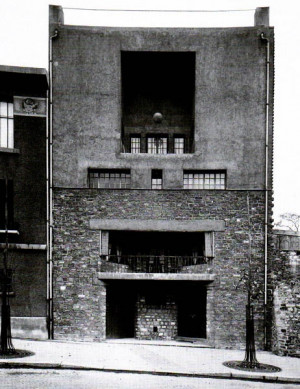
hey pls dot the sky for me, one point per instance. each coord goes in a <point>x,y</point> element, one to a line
<point>24,42</point>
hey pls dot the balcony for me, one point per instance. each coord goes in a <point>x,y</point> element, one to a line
<point>156,267</point>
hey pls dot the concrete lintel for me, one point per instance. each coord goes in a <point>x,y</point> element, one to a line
<point>157,225</point>
<point>24,246</point>
<point>156,276</point>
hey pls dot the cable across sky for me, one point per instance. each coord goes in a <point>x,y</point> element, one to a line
<point>157,10</point>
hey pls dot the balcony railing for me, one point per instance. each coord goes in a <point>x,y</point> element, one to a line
<point>158,264</point>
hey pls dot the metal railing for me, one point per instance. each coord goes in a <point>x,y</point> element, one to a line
<point>156,264</point>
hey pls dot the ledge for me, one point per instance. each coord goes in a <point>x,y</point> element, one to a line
<point>154,156</point>
<point>156,276</point>
<point>8,150</point>
<point>24,246</point>
<point>157,225</point>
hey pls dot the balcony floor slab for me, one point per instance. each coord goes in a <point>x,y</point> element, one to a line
<point>156,276</point>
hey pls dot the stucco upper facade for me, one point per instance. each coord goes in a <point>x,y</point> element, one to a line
<point>229,123</point>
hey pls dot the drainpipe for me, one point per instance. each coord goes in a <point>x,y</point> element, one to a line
<point>47,208</point>
<point>263,38</point>
<point>49,139</point>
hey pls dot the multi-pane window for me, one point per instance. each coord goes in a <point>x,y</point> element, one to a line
<point>113,178</point>
<point>179,145</point>
<point>157,145</point>
<point>6,124</point>
<point>203,180</point>
<point>135,144</point>
<point>156,179</point>
<point>6,204</point>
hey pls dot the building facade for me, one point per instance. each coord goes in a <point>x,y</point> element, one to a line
<point>23,111</point>
<point>161,180</point>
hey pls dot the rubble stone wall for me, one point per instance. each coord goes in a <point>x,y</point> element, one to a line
<point>286,303</point>
<point>79,296</point>
<point>156,322</point>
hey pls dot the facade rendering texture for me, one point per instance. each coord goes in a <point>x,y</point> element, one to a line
<point>161,180</point>
<point>23,116</point>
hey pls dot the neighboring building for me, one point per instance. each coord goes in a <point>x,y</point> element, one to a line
<point>23,180</point>
<point>162,142</point>
<point>286,293</point>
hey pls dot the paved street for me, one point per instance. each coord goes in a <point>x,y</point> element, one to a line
<point>68,379</point>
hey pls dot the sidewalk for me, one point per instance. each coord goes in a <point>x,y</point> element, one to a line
<point>165,358</point>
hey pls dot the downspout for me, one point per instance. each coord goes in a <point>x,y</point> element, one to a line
<point>49,197</point>
<point>263,38</point>
<point>47,213</point>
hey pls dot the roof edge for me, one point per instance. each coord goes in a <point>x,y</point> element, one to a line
<point>23,70</point>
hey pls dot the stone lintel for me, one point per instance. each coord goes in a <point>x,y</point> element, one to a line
<point>157,225</point>
<point>156,276</point>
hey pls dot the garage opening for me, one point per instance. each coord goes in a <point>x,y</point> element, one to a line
<point>150,310</point>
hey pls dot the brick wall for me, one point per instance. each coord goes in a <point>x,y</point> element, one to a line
<point>79,297</point>
<point>286,303</point>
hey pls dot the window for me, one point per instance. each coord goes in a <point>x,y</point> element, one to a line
<point>135,144</point>
<point>179,145</point>
<point>203,180</point>
<point>157,145</point>
<point>6,125</point>
<point>156,179</point>
<point>6,192</point>
<point>114,178</point>
<point>6,280</point>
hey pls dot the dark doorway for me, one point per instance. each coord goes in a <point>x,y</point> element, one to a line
<point>192,312</point>
<point>120,310</point>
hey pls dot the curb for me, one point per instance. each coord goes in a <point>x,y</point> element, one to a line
<point>242,377</point>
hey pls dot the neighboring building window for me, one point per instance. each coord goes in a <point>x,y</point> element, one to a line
<point>157,145</point>
<point>8,280</point>
<point>6,192</point>
<point>179,145</point>
<point>113,178</point>
<point>6,125</point>
<point>156,179</point>
<point>203,180</point>
<point>135,144</point>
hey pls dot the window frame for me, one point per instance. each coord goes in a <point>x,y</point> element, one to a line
<point>137,150</point>
<point>7,117</point>
<point>156,179</point>
<point>206,180</point>
<point>9,188</point>
<point>109,178</point>
<point>157,138</point>
<point>9,290</point>
<point>177,137</point>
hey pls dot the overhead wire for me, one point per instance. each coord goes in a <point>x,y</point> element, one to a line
<point>157,10</point>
